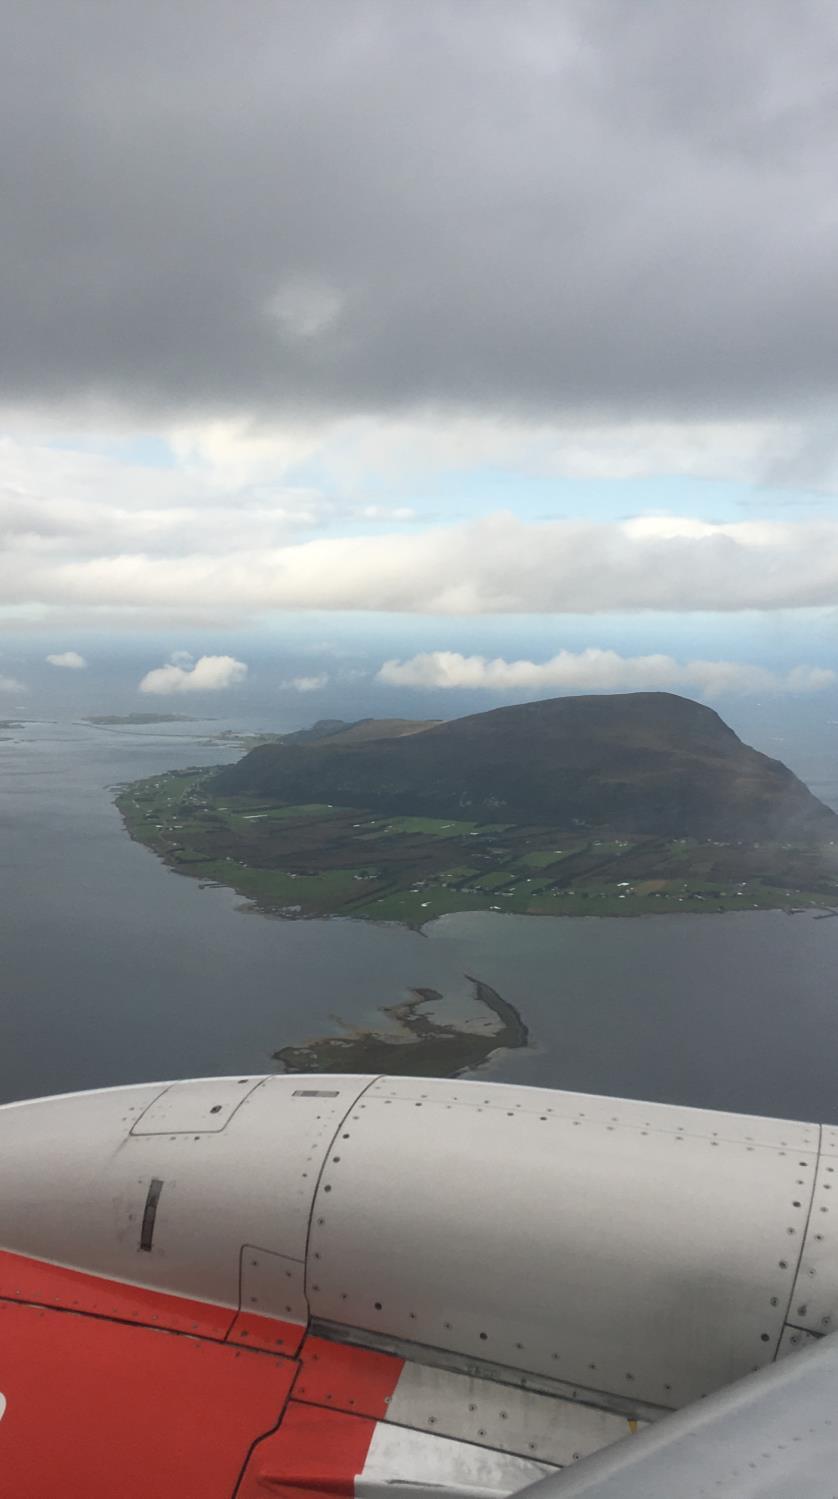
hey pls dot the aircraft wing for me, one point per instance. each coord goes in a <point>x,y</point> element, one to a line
<point>772,1435</point>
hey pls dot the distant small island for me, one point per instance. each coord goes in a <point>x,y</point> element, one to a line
<point>416,1043</point>
<point>140,718</point>
<point>609,806</point>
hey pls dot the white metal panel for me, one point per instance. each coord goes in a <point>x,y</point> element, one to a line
<point>814,1302</point>
<point>52,1154</point>
<point>195,1108</point>
<point>646,1261</point>
<point>427,1467</point>
<point>629,1113</point>
<point>74,1181</point>
<point>272,1285</point>
<point>501,1416</point>
<point>794,1339</point>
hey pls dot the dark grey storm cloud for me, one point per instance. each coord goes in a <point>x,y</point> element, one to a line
<point>614,206</point>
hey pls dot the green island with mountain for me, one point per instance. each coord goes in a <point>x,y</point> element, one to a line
<point>629,804</point>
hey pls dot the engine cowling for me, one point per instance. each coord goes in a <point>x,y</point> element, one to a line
<point>634,1256</point>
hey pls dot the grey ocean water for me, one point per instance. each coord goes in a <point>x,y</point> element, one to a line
<point>116,970</point>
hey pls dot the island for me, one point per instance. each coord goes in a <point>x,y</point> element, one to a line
<point>418,1041</point>
<point>109,719</point>
<point>614,805</point>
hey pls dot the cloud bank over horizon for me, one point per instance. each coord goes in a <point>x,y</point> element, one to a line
<point>498,564</point>
<point>598,671</point>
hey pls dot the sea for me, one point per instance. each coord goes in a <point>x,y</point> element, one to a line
<point>114,969</point>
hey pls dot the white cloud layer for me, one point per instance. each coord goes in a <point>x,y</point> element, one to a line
<point>11,684</point>
<point>496,565</point>
<point>69,659</point>
<point>595,670</point>
<point>307,684</point>
<point>222,535</point>
<point>209,674</point>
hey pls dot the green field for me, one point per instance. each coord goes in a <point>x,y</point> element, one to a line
<point>316,859</point>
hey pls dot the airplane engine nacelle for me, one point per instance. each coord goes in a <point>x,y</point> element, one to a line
<point>629,1254</point>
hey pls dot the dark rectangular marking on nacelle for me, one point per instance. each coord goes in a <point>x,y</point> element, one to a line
<point>155,1187</point>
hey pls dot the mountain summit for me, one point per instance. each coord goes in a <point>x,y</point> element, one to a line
<point>639,762</point>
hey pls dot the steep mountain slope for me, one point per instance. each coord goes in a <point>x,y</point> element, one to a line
<point>340,731</point>
<point>645,762</point>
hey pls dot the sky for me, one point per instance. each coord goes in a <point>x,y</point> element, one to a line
<point>416,358</point>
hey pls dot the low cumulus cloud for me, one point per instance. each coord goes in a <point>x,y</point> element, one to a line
<point>71,660</point>
<point>11,684</point>
<point>596,670</point>
<point>307,684</point>
<point>207,674</point>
